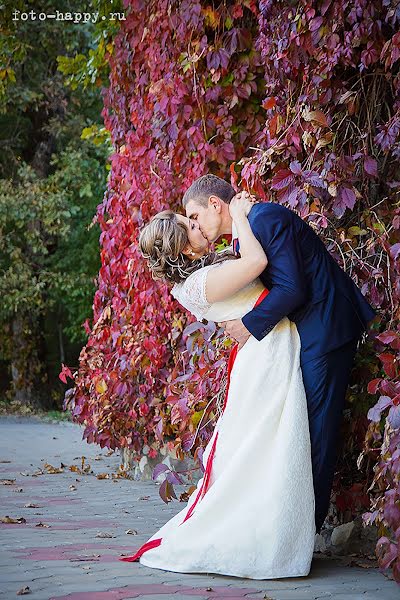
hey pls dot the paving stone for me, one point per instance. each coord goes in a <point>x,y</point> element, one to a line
<point>49,560</point>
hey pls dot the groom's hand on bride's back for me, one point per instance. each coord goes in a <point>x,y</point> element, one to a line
<point>236,330</point>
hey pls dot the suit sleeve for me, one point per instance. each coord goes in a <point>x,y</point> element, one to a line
<point>273,227</point>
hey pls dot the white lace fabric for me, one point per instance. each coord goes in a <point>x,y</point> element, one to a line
<point>191,294</point>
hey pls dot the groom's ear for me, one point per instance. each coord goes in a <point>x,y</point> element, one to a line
<point>215,203</point>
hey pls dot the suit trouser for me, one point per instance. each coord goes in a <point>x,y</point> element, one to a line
<point>325,380</point>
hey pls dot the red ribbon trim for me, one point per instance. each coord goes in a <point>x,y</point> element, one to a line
<point>142,549</point>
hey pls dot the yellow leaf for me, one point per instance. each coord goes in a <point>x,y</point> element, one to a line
<point>196,417</point>
<point>356,231</point>
<point>101,386</point>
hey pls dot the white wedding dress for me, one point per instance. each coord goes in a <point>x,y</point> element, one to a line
<point>256,518</point>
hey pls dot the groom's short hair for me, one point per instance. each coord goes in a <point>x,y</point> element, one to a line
<point>206,186</point>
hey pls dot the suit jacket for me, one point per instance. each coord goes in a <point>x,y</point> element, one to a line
<point>306,285</point>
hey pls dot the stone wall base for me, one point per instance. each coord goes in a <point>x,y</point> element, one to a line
<point>349,538</point>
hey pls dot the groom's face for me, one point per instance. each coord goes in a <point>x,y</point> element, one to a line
<point>208,217</point>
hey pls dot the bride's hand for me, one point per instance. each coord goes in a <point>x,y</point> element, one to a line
<point>241,204</point>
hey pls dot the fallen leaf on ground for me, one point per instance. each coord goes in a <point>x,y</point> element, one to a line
<point>103,476</point>
<point>50,469</point>
<point>131,531</point>
<point>37,473</point>
<point>72,488</point>
<point>32,505</point>
<point>24,590</point>
<point>7,481</point>
<point>8,519</point>
<point>24,473</point>
<point>40,524</point>
<point>104,534</point>
<point>18,490</point>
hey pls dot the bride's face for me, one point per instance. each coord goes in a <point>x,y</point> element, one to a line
<point>198,244</point>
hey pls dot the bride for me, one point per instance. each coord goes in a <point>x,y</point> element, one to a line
<point>252,513</point>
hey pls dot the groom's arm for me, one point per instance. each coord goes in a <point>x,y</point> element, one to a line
<point>272,225</point>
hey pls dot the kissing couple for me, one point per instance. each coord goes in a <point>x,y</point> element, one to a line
<point>297,318</point>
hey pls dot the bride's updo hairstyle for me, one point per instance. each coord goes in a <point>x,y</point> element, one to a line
<point>161,243</point>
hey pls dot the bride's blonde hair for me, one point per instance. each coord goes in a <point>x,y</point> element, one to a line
<point>161,243</point>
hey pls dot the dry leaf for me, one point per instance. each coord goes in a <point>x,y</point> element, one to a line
<point>18,490</point>
<point>103,476</point>
<point>32,505</point>
<point>72,488</point>
<point>40,524</point>
<point>37,473</point>
<point>104,534</point>
<point>7,481</point>
<point>50,469</point>
<point>131,532</point>
<point>315,115</point>
<point>24,590</point>
<point>8,519</point>
<point>24,473</point>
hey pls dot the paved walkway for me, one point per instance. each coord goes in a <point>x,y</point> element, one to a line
<point>68,545</point>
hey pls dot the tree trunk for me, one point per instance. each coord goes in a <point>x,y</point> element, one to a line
<point>29,384</point>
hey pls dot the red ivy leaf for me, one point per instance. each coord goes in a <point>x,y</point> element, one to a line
<point>373,386</point>
<point>65,372</point>
<point>282,179</point>
<point>388,361</point>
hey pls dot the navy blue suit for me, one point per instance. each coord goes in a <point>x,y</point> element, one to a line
<point>308,286</point>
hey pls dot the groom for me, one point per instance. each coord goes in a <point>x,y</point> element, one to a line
<point>309,287</point>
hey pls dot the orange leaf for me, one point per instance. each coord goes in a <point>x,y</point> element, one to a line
<point>269,103</point>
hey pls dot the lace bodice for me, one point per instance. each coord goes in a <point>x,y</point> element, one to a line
<point>191,294</point>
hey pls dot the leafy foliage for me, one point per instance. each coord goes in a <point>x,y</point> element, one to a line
<point>299,102</point>
<point>50,187</point>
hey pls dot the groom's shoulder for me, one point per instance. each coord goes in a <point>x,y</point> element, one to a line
<point>263,211</point>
